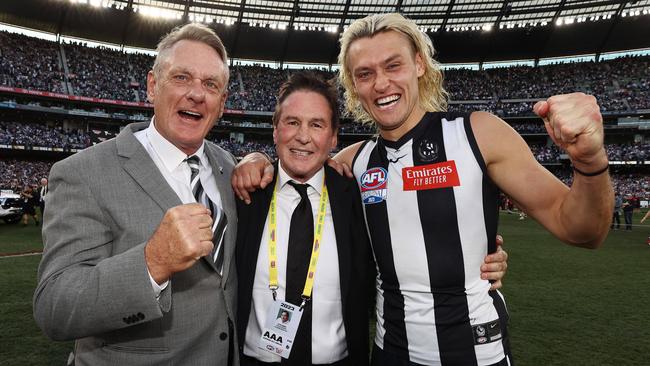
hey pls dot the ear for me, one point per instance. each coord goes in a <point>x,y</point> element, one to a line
<point>419,64</point>
<point>224,97</point>
<point>151,86</point>
<point>335,140</point>
<point>275,135</point>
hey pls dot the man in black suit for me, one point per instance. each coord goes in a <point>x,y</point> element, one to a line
<point>333,327</point>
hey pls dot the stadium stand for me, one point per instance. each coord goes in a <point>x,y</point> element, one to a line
<point>620,85</point>
<point>103,73</point>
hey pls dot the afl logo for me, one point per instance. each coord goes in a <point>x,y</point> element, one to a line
<point>373,185</point>
<point>374,178</point>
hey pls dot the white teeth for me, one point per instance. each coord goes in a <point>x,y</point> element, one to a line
<point>388,99</point>
<point>301,153</point>
<point>192,113</point>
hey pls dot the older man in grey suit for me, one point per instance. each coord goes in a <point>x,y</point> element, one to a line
<point>140,230</point>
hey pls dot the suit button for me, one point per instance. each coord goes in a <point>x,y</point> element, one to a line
<point>223,336</point>
<point>140,316</point>
<point>125,320</point>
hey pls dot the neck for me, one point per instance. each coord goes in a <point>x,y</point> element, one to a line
<point>299,179</point>
<point>397,132</point>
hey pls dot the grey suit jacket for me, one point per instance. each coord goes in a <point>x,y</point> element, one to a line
<point>104,204</point>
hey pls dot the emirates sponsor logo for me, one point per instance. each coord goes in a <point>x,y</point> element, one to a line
<point>432,176</point>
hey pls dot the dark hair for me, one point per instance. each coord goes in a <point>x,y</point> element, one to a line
<point>308,81</point>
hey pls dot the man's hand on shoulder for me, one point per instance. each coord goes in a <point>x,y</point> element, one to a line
<point>340,167</point>
<point>182,238</point>
<point>253,172</point>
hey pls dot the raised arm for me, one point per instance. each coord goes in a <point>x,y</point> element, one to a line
<point>579,215</point>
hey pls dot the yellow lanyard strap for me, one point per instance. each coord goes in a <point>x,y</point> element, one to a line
<point>315,249</point>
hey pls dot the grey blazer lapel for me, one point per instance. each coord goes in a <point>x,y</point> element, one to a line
<point>218,162</point>
<point>142,169</point>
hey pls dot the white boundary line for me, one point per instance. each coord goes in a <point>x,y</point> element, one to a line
<point>20,255</point>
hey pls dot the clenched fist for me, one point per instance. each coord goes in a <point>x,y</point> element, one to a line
<point>574,123</point>
<point>183,237</point>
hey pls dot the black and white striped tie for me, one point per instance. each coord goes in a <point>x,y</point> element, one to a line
<point>220,222</point>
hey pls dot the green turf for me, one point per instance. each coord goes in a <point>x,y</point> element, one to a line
<point>16,238</point>
<point>572,306</point>
<point>568,306</point>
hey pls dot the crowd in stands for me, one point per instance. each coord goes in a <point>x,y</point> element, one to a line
<point>98,72</point>
<point>30,63</point>
<point>546,154</point>
<point>241,149</point>
<point>32,134</point>
<point>529,127</point>
<point>54,135</point>
<point>620,85</point>
<point>16,174</point>
<point>623,152</point>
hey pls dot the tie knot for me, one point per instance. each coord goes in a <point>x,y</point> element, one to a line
<point>301,188</point>
<point>193,162</point>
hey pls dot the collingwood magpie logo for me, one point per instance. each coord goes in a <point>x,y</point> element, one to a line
<point>427,150</point>
<point>480,331</point>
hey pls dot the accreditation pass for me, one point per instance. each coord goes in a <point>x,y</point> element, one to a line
<point>282,322</point>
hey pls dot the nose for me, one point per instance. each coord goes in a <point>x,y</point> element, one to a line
<point>302,135</point>
<point>195,91</point>
<point>381,81</point>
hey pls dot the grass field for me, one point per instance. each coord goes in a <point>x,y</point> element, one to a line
<point>568,306</point>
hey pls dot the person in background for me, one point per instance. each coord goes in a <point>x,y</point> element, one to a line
<point>29,199</point>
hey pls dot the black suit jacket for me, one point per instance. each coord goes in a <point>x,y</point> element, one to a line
<point>353,252</point>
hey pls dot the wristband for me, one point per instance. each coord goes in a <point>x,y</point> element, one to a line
<point>599,172</point>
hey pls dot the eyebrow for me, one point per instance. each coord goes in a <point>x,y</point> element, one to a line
<point>291,117</point>
<point>187,71</point>
<point>392,58</point>
<point>386,61</point>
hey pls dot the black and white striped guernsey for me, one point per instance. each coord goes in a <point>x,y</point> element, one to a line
<point>432,213</point>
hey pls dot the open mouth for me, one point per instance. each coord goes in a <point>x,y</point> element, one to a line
<point>388,101</point>
<point>190,115</point>
<point>302,153</point>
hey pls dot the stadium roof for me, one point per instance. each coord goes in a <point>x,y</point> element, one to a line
<point>308,30</point>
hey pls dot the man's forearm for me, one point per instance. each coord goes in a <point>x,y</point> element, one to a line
<point>587,210</point>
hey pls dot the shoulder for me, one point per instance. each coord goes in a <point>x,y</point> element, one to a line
<point>221,152</point>
<point>337,182</point>
<point>495,138</point>
<point>93,156</point>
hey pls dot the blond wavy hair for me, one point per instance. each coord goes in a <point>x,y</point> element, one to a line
<point>432,96</point>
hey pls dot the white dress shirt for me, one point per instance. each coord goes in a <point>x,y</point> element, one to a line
<point>171,163</point>
<point>328,332</point>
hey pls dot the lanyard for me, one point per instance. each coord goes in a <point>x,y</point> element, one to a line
<point>315,249</point>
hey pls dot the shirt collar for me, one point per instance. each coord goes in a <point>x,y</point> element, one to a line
<point>170,155</point>
<point>315,182</point>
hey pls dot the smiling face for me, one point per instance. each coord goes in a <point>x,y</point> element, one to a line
<point>304,135</point>
<point>188,93</point>
<point>385,70</point>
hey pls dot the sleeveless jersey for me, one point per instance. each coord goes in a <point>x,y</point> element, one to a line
<point>431,212</point>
